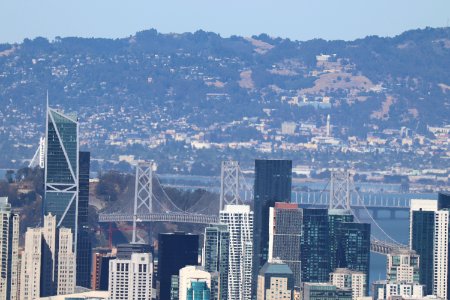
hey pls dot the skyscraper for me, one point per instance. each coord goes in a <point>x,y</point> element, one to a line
<point>131,278</point>
<point>441,278</point>
<point>84,245</point>
<point>285,232</point>
<point>239,219</point>
<point>354,247</point>
<point>275,281</point>
<point>48,261</point>
<point>422,238</point>
<point>61,170</point>
<point>9,251</point>
<point>216,255</point>
<point>273,181</point>
<point>335,217</point>
<point>175,251</point>
<point>315,245</point>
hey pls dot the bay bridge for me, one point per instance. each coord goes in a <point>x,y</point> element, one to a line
<point>152,204</point>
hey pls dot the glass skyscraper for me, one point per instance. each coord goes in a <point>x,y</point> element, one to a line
<point>216,249</point>
<point>315,245</point>
<point>336,216</point>
<point>353,252</point>
<point>422,238</point>
<point>273,181</point>
<point>67,186</point>
<point>84,249</point>
<point>61,170</point>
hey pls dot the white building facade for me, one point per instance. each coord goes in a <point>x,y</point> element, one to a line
<point>131,279</point>
<point>239,219</point>
<point>441,248</point>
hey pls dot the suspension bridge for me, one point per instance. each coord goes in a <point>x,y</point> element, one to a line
<point>152,204</point>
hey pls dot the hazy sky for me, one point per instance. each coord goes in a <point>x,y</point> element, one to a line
<point>296,19</point>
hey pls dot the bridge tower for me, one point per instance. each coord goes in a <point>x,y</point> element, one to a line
<point>143,192</point>
<point>229,183</point>
<point>340,190</point>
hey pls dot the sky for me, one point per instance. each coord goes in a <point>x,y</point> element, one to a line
<point>294,19</point>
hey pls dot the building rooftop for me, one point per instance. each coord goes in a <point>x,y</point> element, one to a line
<point>275,267</point>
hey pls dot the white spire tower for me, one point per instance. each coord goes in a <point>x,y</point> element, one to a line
<point>328,126</point>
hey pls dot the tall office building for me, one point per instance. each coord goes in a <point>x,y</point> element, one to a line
<point>315,245</point>
<point>354,247</point>
<point>216,254</point>
<point>347,279</point>
<point>273,181</point>
<point>239,220</point>
<point>441,278</point>
<point>421,238</point>
<point>285,232</point>
<point>190,275</point>
<point>9,251</point>
<point>403,266</point>
<point>61,170</point>
<point>84,245</point>
<point>65,263</point>
<point>275,281</point>
<point>175,251</point>
<point>131,279</point>
<point>48,261</point>
<point>335,217</point>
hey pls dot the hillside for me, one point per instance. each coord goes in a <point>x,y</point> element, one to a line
<point>153,92</point>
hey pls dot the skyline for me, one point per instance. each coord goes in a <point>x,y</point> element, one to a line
<point>115,19</point>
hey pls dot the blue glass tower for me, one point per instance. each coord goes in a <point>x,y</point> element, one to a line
<point>61,170</point>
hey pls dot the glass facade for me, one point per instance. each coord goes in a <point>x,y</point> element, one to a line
<point>61,171</point>
<point>324,291</point>
<point>175,251</point>
<point>315,245</point>
<point>422,231</point>
<point>84,245</point>
<point>198,291</point>
<point>273,181</point>
<point>336,216</point>
<point>217,241</point>
<point>353,250</point>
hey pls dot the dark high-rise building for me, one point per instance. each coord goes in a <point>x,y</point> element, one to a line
<point>175,251</point>
<point>315,246</point>
<point>216,249</point>
<point>336,216</point>
<point>285,228</point>
<point>273,181</point>
<point>443,200</point>
<point>84,245</point>
<point>353,247</point>
<point>421,240</point>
